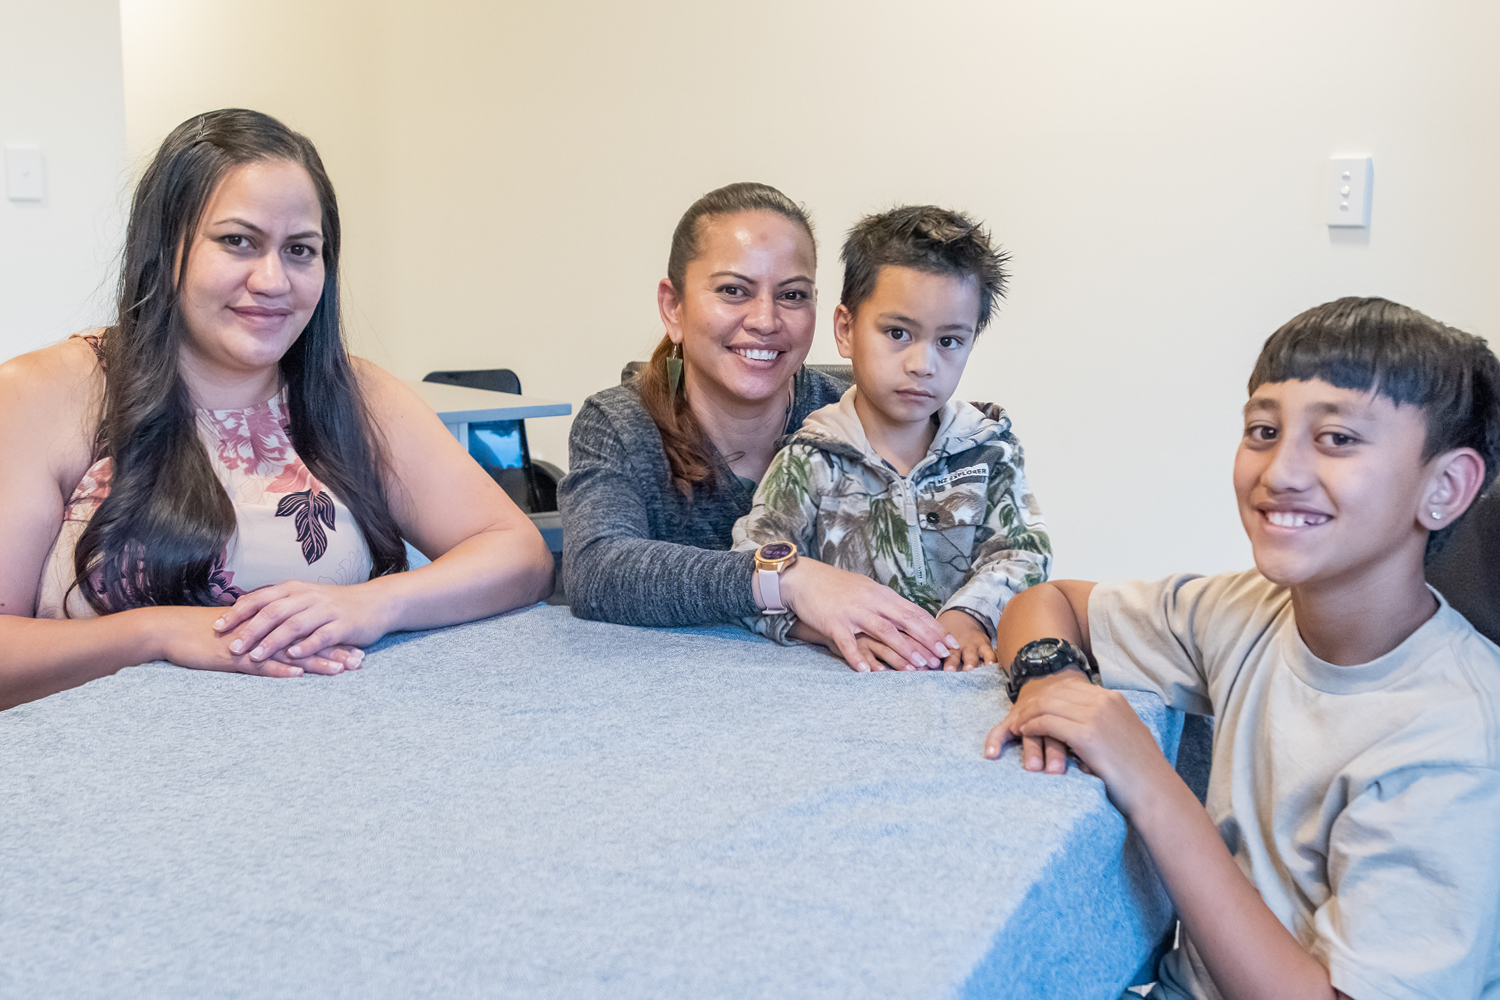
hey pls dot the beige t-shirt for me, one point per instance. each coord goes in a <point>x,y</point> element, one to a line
<point>1362,801</point>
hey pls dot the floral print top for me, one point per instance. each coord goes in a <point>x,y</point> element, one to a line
<point>290,527</point>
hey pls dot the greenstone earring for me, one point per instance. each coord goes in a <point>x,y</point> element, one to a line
<point>674,368</point>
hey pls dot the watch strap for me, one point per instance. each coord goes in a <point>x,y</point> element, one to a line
<point>770,591</point>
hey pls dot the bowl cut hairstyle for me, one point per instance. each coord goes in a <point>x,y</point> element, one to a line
<point>1375,345</point>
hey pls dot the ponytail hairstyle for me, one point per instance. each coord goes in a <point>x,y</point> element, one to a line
<point>159,535</point>
<point>682,438</point>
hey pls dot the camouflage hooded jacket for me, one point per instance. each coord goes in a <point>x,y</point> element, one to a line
<point>961,530</point>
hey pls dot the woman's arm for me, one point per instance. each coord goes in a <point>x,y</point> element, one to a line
<point>487,556</point>
<point>48,402</point>
<point>615,570</point>
<point>46,399</point>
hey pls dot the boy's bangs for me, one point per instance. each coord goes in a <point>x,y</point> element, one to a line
<point>1369,344</point>
<point>1411,359</point>
<point>1389,361</point>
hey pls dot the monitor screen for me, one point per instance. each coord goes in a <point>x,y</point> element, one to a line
<point>496,444</point>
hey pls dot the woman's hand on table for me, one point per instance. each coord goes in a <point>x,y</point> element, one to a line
<point>867,622</point>
<point>974,646</point>
<point>296,623</point>
<point>871,655</point>
<point>189,639</point>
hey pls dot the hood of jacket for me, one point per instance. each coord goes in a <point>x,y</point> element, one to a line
<point>837,429</point>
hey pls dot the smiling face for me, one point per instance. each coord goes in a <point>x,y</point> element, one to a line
<point>909,342</point>
<point>254,276</point>
<point>745,313</point>
<point>1332,485</point>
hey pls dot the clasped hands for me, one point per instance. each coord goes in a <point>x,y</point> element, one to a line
<point>280,631</point>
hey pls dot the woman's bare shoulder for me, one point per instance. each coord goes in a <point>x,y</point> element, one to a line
<point>388,397</point>
<point>63,381</point>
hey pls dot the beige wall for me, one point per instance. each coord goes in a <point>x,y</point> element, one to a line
<point>60,91</point>
<point>510,174</point>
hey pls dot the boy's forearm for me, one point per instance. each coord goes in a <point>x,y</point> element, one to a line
<point>1057,609</point>
<point>1249,954</point>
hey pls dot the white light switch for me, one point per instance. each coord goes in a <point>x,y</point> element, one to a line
<point>1350,184</point>
<point>25,179</point>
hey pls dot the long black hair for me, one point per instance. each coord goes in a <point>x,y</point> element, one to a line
<point>158,536</point>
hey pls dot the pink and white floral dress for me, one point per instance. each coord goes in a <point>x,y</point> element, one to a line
<point>290,527</point>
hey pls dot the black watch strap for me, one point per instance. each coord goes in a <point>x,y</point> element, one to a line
<point>1044,657</point>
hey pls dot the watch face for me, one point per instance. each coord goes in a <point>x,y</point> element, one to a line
<point>1041,651</point>
<point>776,550</point>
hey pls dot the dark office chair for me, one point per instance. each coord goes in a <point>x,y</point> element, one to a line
<point>844,373</point>
<point>1466,569</point>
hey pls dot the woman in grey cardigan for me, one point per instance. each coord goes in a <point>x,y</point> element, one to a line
<point>662,467</point>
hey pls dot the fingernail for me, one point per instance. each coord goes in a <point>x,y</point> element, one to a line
<point>953,642</point>
<point>258,653</point>
<point>356,658</point>
<point>295,650</point>
<point>296,671</point>
<point>862,667</point>
<point>218,624</point>
<point>943,650</point>
<point>236,646</point>
<point>1032,764</point>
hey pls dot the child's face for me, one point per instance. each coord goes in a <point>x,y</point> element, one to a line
<point>1331,483</point>
<point>909,341</point>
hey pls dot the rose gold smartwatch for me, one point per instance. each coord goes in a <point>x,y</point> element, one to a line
<point>771,560</point>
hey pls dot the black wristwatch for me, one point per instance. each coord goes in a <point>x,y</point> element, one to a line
<point>1045,657</point>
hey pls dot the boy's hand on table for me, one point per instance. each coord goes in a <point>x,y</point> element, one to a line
<point>1064,711</point>
<point>974,646</point>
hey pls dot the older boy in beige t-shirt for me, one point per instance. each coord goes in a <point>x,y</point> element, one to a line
<point>1351,841</point>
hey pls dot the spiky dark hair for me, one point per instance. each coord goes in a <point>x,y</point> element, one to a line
<point>924,238</point>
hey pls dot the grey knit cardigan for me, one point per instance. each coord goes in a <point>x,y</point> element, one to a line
<point>636,549</point>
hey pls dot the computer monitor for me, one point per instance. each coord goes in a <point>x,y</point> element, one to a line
<point>499,446</point>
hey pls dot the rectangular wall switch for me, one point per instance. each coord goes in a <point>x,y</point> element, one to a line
<point>25,179</point>
<point>1350,184</point>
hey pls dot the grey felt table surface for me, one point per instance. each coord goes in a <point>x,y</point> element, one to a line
<point>540,806</point>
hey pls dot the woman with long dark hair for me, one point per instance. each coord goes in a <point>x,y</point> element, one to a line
<point>662,467</point>
<point>212,480</point>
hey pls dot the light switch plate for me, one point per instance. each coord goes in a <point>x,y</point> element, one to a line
<point>25,178</point>
<point>1351,180</point>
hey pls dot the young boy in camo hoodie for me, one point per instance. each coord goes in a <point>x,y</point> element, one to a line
<point>898,481</point>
